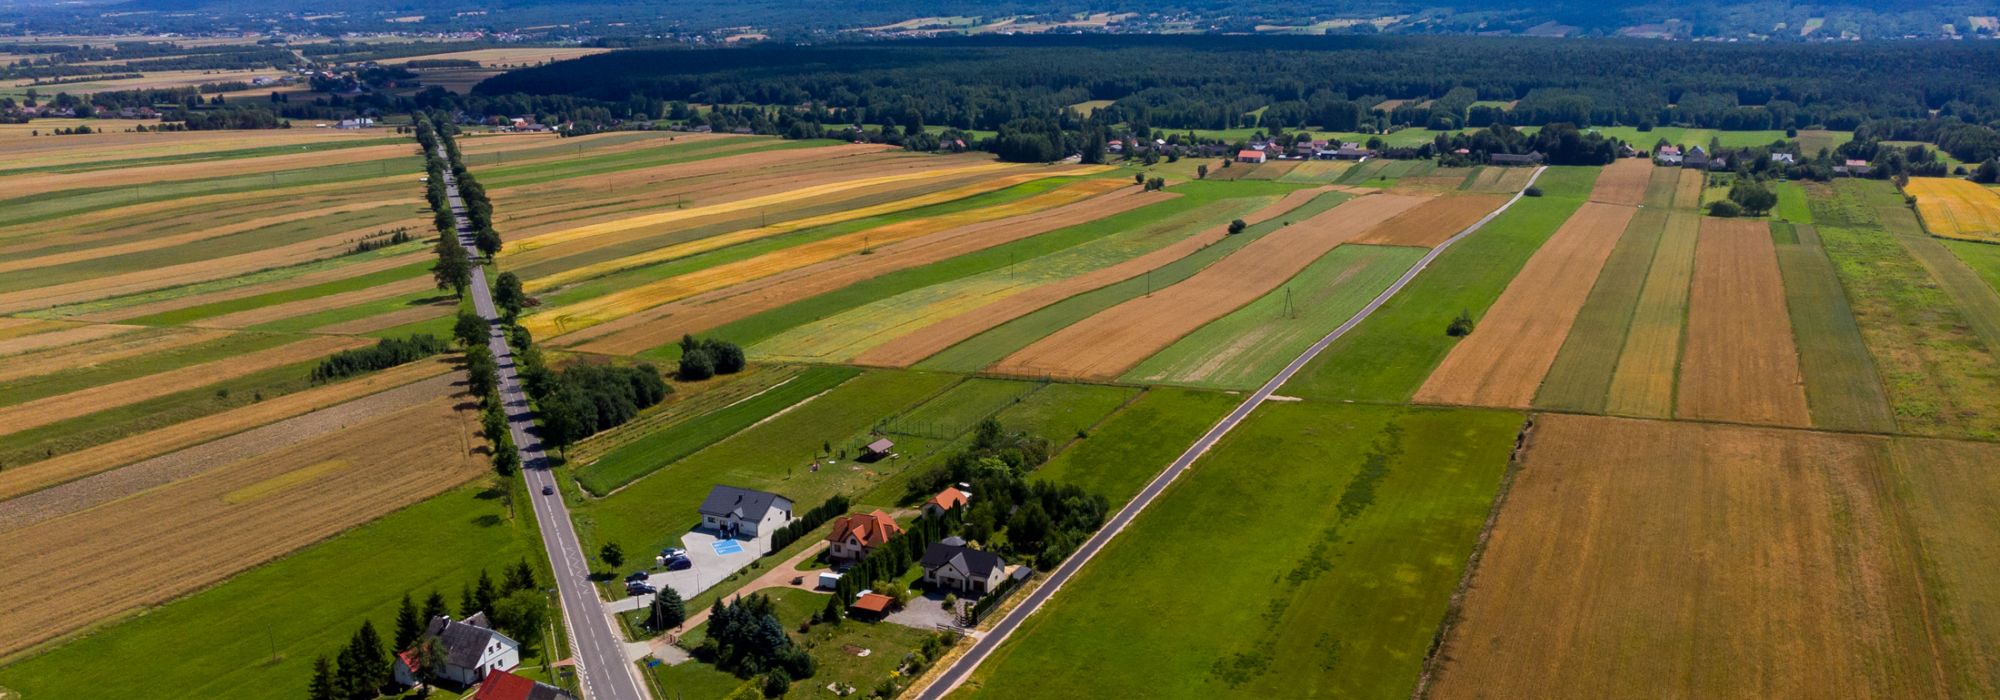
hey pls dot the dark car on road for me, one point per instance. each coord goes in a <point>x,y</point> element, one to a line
<point>549,490</point>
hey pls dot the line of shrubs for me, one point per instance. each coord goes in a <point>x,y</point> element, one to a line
<point>388,353</point>
<point>833,507</point>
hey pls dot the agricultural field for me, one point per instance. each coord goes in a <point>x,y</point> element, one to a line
<point>1954,208</point>
<point>1365,517</point>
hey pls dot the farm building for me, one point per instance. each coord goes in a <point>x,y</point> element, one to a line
<point>877,450</point>
<point>1346,151</point>
<point>1249,156</point>
<point>501,685</point>
<point>471,649</point>
<point>951,497</point>
<point>733,511</point>
<point>962,568</point>
<point>854,536</point>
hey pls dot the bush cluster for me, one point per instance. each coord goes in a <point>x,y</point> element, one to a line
<point>388,353</point>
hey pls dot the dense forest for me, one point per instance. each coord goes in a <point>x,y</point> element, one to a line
<point>1216,82</point>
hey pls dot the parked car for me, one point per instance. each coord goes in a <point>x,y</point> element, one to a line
<point>636,576</point>
<point>549,490</point>
<point>640,588</point>
<point>679,564</point>
<point>673,553</point>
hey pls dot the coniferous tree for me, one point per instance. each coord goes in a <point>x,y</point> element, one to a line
<point>408,627</point>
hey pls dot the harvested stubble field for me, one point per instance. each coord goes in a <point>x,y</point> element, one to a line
<point>1624,182</point>
<point>961,330</point>
<point>1498,180</point>
<point>1503,361</point>
<point>39,183</point>
<point>195,532</point>
<point>1633,557</point>
<point>1434,221</point>
<point>40,412</point>
<point>662,324</point>
<point>100,241</point>
<point>1109,343</point>
<point>1741,363</point>
<point>19,479</point>
<point>169,304</point>
<point>119,148</point>
<point>1580,379</point>
<point>1316,172</point>
<point>1955,208</point>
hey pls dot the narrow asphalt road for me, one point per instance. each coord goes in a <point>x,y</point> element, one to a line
<point>596,647</point>
<point>956,674</point>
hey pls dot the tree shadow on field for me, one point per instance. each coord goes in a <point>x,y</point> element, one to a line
<point>491,493</point>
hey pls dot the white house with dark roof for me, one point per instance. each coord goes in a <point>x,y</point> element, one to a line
<point>743,512</point>
<point>962,568</point>
<point>470,649</point>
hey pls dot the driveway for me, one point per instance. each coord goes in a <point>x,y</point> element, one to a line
<point>777,575</point>
<point>925,612</point>
<point>709,568</point>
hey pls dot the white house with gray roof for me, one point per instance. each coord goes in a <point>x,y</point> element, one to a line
<point>952,565</point>
<point>470,649</point>
<point>744,513</point>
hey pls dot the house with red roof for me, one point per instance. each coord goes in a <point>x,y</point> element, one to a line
<point>1249,156</point>
<point>855,535</point>
<point>501,685</point>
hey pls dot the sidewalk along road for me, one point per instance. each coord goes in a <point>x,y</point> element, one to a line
<point>950,679</point>
<point>595,646</point>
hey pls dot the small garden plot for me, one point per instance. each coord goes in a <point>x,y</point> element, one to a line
<point>1367,515</point>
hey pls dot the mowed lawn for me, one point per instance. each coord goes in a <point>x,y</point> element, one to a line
<point>1312,553</point>
<point>219,643</point>
<point>1388,356</point>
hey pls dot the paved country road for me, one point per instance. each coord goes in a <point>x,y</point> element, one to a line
<point>596,647</point>
<point>950,679</point>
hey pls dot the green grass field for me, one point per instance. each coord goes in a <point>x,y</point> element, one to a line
<point>1580,379</point>
<point>1388,356</point>
<point>1843,390</point>
<point>1792,203</point>
<point>357,282</point>
<point>225,284</point>
<point>987,348</point>
<point>1247,347</point>
<point>1942,378</point>
<point>219,643</point>
<point>1312,553</point>
<point>670,442</point>
<point>1131,446</point>
<point>774,455</point>
<point>76,201</point>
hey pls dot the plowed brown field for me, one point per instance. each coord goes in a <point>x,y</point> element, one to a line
<point>668,322</point>
<point>1107,344</point>
<point>1680,560</point>
<point>1434,221</point>
<point>1502,363</point>
<point>912,348</point>
<point>176,539</point>
<point>1623,182</point>
<point>40,412</point>
<point>1741,364</point>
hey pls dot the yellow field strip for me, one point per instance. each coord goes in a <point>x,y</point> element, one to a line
<point>1954,208</point>
<point>590,312</point>
<point>728,239</point>
<point>739,205</point>
<point>54,409</point>
<point>36,476</point>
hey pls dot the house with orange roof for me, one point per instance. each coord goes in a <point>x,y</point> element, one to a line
<point>855,535</point>
<point>951,497</point>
